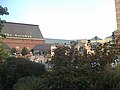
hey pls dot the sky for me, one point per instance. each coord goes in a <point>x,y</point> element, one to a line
<point>64,19</point>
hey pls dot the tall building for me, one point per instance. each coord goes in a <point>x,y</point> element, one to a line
<point>117,6</point>
<point>117,32</point>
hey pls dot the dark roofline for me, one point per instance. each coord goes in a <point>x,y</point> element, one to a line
<point>109,36</point>
<point>58,39</point>
<point>22,29</point>
<point>42,47</point>
<point>26,38</point>
<point>21,23</point>
<point>97,38</point>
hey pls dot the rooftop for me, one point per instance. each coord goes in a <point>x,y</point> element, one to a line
<point>20,30</point>
<point>96,38</point>
<point>57,41</point>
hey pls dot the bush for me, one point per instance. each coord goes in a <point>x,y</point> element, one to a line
<point>15,68</point>
<point>70,71</point>
<point>24,51</point>
<point>75,72</point>
<point>29,83</point>
<point>61,78</point>
<point>3,53</point>
<point>13,51</point>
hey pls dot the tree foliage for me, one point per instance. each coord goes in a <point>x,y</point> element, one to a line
<point>3,53</point>
<point>80,72</point>
<point>29,83</point>
<point>24,51</point>
<point>3,11</point>
<point>70,71</point>
<point>15,68</point>
<point>13,51</point>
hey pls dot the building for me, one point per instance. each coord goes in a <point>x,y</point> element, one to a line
<point>42,49</point>
<point>96,39</point>
<point>117,6</point>
<point>57,41</point>
<point>19,35</point>
<point>117,32</point>
<point>109,39</point>
<point>50,45</point>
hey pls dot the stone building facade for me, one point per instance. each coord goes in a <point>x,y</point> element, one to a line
<point>117,7</point>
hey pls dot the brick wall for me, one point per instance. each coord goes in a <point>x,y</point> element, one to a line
<point>20,43</point>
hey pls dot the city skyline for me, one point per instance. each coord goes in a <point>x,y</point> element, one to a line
<point>65,19</point>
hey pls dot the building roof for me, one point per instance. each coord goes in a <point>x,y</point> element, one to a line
<point>21,30</point>
<point>57,41</point>
<point>94,38</point>
<point>42,47</point>
<point>109,36</point>
<point>5,46</point>
<point>82,40</point>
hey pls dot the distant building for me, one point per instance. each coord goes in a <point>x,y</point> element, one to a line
<point>108,39</point>
<point>88,47</point>
<point>19,35</point>
<point>80,46</point>
<point>83,41</point>
<point>57,41</point>
<point>50,45</point>
<point>96,39</point>
<point>42,49</point>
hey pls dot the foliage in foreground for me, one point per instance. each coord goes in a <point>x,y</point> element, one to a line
<point>76,72</point>
<point>15,68</point>
<point>3,53</point>
<point>70,71</point>
<point>29,83</point>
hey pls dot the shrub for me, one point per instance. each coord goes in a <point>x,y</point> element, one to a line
<point>75,72</point>
<point>61,78</point>
<point>13,50</point>
<point>29,83</point>
<point>24,51</point>
<point>3,53</point>
<point>15,68</point>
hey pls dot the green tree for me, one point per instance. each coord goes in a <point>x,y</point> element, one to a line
<point>16,68</point>
<point>24,51</point>
<point>30,83</point>
<point>61,78</point>
<point>69,71</point>
<point>3,53</point>
<point>80,72</point>
<point>63,75</point>
<point>3,11</point>
<point>13,50</point>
